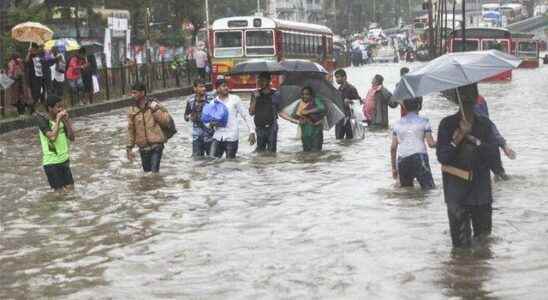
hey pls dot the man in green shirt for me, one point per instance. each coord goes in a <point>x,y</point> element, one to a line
<point>56,133</point>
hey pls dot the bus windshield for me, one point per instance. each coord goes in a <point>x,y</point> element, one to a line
<point>228,44</point>
<point>259,42</point>
<point>491,44</point>
<point>471,45</point>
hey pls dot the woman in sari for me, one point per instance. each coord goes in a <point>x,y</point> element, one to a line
<point>309,115</point>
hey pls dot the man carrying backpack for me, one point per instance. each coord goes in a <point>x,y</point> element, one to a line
<point>149,127</point>
<point>264,107</point>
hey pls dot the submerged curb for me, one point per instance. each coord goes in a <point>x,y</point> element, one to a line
<point>26,122</point>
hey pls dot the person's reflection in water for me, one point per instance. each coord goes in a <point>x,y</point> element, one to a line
<point>465,273</point>
<point>150,183</point>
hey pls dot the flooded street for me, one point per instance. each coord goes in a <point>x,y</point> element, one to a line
<point>293,226</point>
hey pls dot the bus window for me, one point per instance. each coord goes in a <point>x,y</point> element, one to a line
<point>287,43</point>
<point>491,44</point>
<point>259,42</point>
<point>228,44</point>
<point>471,45</point>
<point>527,49</point>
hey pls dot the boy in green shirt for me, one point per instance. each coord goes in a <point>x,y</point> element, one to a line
<point>56,133</point>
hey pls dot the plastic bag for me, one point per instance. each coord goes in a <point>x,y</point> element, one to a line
<point>215,111</point>
<point>96,88</point>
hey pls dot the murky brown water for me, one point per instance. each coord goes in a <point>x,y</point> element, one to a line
<point>292,226</point>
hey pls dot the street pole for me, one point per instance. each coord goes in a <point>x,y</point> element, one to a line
<point>207,15</point>
<point>258,6</point>
<point>77,21</point>
<point>430,29</point>
<point>463,25</point>
<point>375,11</point>
<point>454,9</point>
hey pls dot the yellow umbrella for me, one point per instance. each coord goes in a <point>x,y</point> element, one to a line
<point>31,32</point>
<point>64,45</point>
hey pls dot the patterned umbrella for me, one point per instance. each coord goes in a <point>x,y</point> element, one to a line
<point>31,32</point>
<point>63,45</point>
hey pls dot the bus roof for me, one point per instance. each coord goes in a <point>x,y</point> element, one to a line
<point>483,32</point>
<point>490,5</point>
<point>247,22</point>
<point>513,6</point>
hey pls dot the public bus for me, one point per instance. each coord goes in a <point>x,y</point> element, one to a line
<point>479,39</point>
<point>490,7</point>
<point>526,48</point>
<point>238,39</point>
<point>513,12</point>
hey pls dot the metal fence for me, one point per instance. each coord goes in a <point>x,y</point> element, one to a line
<point>116,82</point>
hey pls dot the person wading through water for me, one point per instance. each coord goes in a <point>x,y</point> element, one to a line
<point>264,107</point>
<point>349,93</point>
<point>375,108</point>
<point>226,139</point>
<point>408,145</point>
<point>466,147</point>
<point>201,134</point>
<point>56,133</point>
<point>309,115</point>
<point>146,118</point>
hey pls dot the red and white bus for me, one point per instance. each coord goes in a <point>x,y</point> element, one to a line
<point>478,39</point>
<point>238,39</point>
<point>526,48</point>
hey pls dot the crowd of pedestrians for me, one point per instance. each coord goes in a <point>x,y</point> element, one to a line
<point>467,144</point>
<point>42,73</point>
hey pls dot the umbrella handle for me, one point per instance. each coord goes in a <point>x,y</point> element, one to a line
<point>460,105</point>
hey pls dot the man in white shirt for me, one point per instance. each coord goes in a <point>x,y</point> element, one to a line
<point>200,56</point>
<point>408,142</point>
<point>225,139</point>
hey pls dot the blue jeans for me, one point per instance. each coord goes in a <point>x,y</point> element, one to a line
<point>218,148</point>
<point>415,166</point>
<point>150,159</point>
<point>267,138</point>
<point>201,146</point>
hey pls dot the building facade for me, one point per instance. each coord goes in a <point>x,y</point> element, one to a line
<point>309,11</point>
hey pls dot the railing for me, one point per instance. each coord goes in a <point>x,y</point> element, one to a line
<point>116,83</point>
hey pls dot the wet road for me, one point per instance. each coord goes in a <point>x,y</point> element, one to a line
<point>292,226</point>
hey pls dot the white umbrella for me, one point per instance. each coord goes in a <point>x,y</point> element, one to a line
<point>454,70</point>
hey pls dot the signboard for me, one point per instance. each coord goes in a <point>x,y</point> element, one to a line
<point>117,24</point>
<point>108,48</point>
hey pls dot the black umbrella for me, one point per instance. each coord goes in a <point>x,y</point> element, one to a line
<point>302,66</point>
<point>92,46</point>
<point>256,67</point>
<point>290,92</point>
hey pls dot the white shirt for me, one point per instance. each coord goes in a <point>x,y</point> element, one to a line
<point>410,131</point>
<point>201,59</point>
<point>231,132</point>
<point>58,76</point>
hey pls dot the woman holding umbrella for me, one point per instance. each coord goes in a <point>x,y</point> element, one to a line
<point>309,114</point>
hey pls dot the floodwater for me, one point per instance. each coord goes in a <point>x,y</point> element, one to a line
<point>292,226</point>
